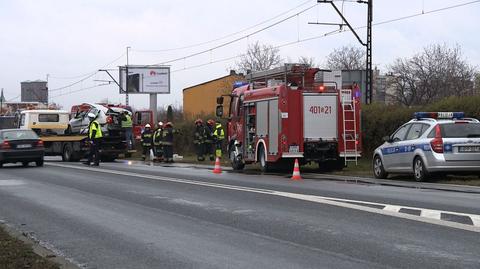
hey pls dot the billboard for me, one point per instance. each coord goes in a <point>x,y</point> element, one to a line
<point>145,79</point>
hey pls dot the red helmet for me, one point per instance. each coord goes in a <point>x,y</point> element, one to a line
<point>211,122</point>
<point>199,121</point>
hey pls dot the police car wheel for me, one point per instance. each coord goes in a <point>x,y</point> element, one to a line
<point>420,173</point>
<point>378,169</point>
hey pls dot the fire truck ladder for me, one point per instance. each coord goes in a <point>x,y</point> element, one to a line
<point>349,135</point>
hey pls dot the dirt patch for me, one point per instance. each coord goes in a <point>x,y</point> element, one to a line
<point>16,254</point>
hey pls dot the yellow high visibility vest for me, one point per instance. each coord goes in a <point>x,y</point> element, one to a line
<point>95,126</point>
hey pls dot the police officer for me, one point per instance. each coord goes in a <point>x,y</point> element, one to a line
<point>219,136</point>
<point>199,139</point>
<point>210,140</point>
<point>95,138</point>
<point>146,140</point>
<point>158,142</point>
<point>167,140</point>
<point>127,126</point>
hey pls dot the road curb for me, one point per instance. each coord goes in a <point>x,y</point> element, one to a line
<point>37,248</point>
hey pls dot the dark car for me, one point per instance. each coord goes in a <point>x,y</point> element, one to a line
<point>23,146</point>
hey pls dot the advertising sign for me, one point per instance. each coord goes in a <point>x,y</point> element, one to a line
<point>145,79</point>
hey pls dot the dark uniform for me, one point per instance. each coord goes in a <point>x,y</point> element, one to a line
<point>167,140</point>
<point>95,137</point>
<point>199,139</point>
<point>146,140</point>
<point>127,126</point>
<point>219,136</point>
<point>158,143</point>
<point>210,140</point>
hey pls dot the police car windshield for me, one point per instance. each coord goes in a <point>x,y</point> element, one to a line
<point>455,130</point>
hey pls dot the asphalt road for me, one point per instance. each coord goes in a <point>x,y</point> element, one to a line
<point>140,216</point>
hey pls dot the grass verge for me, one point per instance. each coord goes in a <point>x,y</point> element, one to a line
<point>16,254</point>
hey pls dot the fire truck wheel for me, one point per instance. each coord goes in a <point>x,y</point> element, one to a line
<point>262,159</point>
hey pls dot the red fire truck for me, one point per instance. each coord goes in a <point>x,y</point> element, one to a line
<point>283,114</point>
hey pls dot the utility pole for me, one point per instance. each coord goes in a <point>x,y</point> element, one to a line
<point>47,88</point>
<point>126,80</point>
<point>367,45</point>
<point>1,102</point>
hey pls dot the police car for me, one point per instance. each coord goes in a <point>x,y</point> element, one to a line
<point>431,142</point>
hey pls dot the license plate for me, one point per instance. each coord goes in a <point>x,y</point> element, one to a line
<point>469,149</point>
<point>24,146</point>
<point>294,149</point>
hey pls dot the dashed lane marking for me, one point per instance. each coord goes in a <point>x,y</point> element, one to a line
<point>426,215</point>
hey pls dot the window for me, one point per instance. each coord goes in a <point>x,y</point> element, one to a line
<point>460,130</point>
<point>400,133</point>
<point>48,117</point>
<point>233,106</point>
<point>22,120</point>
<point>19,134</point>
<point>416,131</point>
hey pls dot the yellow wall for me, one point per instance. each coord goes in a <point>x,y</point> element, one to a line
<point>202,99</point>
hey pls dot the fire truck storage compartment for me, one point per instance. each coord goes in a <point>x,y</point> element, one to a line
<point>268,123</point>
<point>273,127</point>
<point>320,117</point>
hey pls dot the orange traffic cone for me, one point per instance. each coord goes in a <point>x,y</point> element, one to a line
<point>218,168</point>
<point>296,171</point>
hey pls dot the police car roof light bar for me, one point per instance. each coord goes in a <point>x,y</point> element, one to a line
<point>439,115</point>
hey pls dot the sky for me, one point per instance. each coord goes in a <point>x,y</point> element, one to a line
<point>71,40</point>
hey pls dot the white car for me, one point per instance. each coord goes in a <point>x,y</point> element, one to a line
<point>109,119</point>
<point>432,142</point>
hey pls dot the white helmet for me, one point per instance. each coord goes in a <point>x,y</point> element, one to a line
<point>160,123</point>
<point>148,126</point>
<point>91,115</point>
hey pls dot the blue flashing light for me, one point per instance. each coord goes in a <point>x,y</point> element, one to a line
<point>237,84</point>
<point>439,115</point>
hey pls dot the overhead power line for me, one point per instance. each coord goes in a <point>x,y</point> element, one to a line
<point>228,35</point>
<point>80,90</point>
<point>84,76</point>
<point>333,33</point>
<point>236,39</point>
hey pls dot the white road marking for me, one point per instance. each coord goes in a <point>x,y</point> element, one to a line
<point>305,197</point>
<point>11,182</point>
<point>433,214</point>
<point>392,208</point>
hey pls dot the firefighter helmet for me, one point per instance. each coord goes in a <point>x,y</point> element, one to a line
<point>169,124</point>
<point>160,124</point>
<point>199,121</point>
<point>211,122</point>
<point>148,126</point>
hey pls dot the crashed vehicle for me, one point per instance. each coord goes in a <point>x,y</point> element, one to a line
<point>110,119</point>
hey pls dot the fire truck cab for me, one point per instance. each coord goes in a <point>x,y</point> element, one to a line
<point>280,115</point>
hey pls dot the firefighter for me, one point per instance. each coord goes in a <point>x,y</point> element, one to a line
<point>127,126</point>
<point>219,136</point>
<point>210,140</point>
<point>199,139</point>
<point>168,142</point>
<point>158,142</point>
<point>146,140</point>
<point>95,138</point>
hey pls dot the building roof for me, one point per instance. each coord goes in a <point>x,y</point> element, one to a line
<point>232,73</point>
<point>33,81</point>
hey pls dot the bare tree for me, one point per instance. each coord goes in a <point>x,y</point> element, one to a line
<point>258,58</point>
<point>437,72</point>
<point>346,58</point>
<point>307,60</point>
